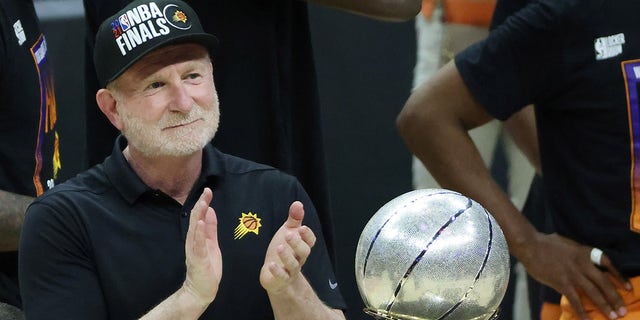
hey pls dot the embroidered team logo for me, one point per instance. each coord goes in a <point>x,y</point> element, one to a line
<point>176,17</point>
<point>609,47</point>
<point>249,222</point>
<point>179,16</point>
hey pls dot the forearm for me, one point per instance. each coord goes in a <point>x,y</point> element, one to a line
<point>434,124</point>
<point>182,305</point>
<point>521,126</point>
<point>465,172</point>
<point>389,10</point>
<point>299,301</point>
<point>12,209</point>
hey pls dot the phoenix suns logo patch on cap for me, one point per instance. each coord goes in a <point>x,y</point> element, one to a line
<point>176,17</point>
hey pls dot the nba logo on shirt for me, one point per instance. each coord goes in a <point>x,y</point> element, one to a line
<point>17,28</point>
<point>609,47</point>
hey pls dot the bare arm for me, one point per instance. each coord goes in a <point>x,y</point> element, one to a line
<point>204,267</point>
<point>436,132</point>
<point>290,294</point>
<point>522,128</point>
<point>12,209</point>
<point>434,124</point>
<point>389,10</point>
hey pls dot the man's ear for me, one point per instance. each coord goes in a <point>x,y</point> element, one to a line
<point>107,104</point>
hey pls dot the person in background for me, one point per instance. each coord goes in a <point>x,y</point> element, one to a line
<point>444,28</point>
<point>168,227</point>
<point>583,85</point>
<point>29,141</point>
<point>264,68</point>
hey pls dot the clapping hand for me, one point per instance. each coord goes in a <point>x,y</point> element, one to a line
<point>203,256</point>
<point>287,252</point>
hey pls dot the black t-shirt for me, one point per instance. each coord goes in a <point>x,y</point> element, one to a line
<point>28,139</point>
<point>29,156</point>
<point>265,77</point>
<point>103,245</point>
<point>577,61</point>
<point>505,8</point>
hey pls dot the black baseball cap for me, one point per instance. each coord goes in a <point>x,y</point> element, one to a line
<point>141,27</point>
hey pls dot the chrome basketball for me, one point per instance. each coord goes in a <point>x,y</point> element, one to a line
<point>432,254</point>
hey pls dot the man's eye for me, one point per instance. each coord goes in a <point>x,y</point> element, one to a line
<point>194,75</point>
<point>155,85</point>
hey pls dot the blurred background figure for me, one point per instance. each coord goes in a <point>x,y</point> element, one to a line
<point>455,100</point>
<point>444,28</point>
<point>29,137</point>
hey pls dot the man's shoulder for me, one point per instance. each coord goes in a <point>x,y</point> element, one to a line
<point>238,165</point>
<point>234,165</point>
<point>90,181</point>
<point>569,10</point>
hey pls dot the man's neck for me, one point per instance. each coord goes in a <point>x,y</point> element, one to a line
<point>174,176</point>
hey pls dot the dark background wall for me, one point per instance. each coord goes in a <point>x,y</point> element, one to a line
<point>364,74</point>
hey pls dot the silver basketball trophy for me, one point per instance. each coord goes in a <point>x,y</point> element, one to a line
<point>432,254</point>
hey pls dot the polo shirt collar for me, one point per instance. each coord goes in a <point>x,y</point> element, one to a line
<point>121,175</point>
<point>212,162</point>
<point>131,187</point>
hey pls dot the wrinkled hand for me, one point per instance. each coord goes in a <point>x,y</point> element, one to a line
<point>203,256</point>
<point>565,265</point>
<point>289,249</point>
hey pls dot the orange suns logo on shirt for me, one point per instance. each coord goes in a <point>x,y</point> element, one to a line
<point>249,222</point>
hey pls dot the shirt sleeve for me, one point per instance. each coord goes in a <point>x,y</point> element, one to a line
<point>505,8</point>
<point>515,63</point>
<point>57,278</point>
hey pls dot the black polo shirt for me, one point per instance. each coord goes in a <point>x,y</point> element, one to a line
<point>105,246</point>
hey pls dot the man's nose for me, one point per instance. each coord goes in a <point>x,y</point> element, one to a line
<point>180,99</point>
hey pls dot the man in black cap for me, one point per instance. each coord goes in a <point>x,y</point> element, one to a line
<point>264,68</point>
<point>137,236</point>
